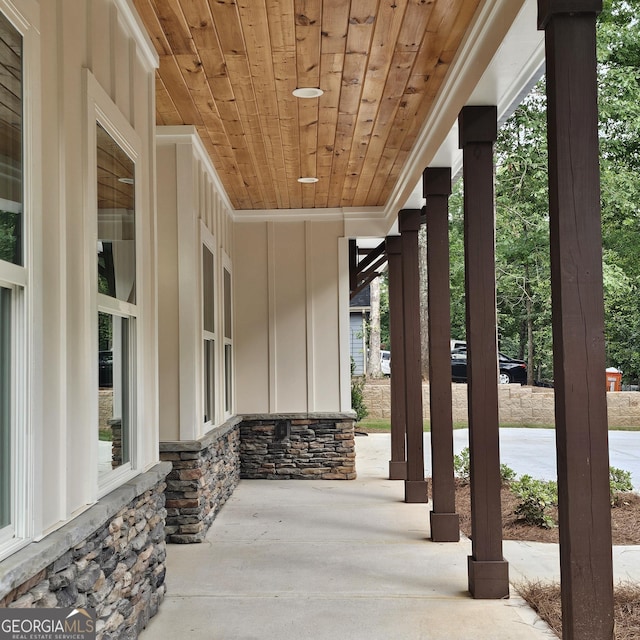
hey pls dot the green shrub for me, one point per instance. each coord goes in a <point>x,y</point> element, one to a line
<point>462,468</point>
<point>619,482</point>
<point>461,465</point>
<point>536,497</point>
<point>507,474</point>
<point>357,396</point>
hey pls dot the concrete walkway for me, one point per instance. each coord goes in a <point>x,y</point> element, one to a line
<point>316,560</point>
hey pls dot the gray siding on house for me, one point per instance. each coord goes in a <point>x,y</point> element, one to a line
<point>361,299</point>
<point>356,341</point>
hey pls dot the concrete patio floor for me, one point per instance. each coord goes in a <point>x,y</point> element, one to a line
<point>323,560</point>
<point>293,560</point>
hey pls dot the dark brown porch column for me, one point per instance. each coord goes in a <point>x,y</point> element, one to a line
<point>578,318</point>
<point>488,571</point>
<point>415,486</point>
<point>445,522</point>
<point>398,462</point>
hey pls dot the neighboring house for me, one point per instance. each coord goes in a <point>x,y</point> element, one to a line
<point>359,308</point>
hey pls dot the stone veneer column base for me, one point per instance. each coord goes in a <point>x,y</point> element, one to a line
<point>205,473</point>
<point>313,446</point>
<point>111,558</point>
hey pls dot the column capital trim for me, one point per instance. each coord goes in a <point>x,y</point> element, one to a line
<point>477,124</point>
<point>436,181</point>
<point>547,9</point>
<point>393,244</point>
<point>409,220</point>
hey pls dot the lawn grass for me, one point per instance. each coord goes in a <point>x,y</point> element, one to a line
<point>377,425</point>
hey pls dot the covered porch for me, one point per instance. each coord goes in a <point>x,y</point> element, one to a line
<point>326,559</point>
<point>235,356</point>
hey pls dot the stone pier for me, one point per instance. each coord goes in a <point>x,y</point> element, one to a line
<point>298,446</point>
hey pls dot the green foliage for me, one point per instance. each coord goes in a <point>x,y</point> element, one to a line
<point>522,235</point>
<point>461,465</point>
<point>619,482</point>
<point>619,104</point>
<point>385,341</point>
<point>357,396</point>
<point>105,331</point>
<point>462,468</point>
<point>536,497</point>
<point>456,250</point>
<point>10,230</point>
<point>522,218</point>
<point>507,474</point>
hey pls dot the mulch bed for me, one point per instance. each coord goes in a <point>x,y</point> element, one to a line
<point>625,518</point>
<point>544,598</point>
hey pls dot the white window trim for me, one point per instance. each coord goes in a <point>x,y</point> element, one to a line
<point>114,478</point>
<point>13,536</point>
<point>102,110</point>
<point>207,239</point>
<point>226,266</point>
<point>26,309</point>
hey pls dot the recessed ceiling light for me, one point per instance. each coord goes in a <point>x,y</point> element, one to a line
<point>308,92</point>
<point>308,180</point>
<point>126,180</point>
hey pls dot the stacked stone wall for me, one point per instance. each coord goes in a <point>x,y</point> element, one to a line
<point>118,569</point>
<point>205,473</point>
<point>302,447</point>
<point>517,404</point>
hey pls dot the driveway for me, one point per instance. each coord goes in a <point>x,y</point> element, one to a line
<point>533,451</point>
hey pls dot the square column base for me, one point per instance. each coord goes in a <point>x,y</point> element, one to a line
<point>488,579</point>
<point>445,527</point>
<point>416,491</point>
<point>397,470</point>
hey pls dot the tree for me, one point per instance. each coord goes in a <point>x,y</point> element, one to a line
<point>522,236</point>
<point>424,306</point>
<point>456,263</point>
<point>522,244</point>
<point>373,363</point>
<point>385,338</point>
<point>619,82</point>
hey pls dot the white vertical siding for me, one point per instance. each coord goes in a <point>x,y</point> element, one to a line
<point>288,317</point>
<point>101,36</point>
<point>190,206</point>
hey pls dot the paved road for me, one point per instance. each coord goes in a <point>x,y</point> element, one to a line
<point>533,451</point>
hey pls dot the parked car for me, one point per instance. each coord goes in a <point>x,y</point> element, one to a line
<point>511,370</point>
<point>105,369</point>
<point>385,362</point>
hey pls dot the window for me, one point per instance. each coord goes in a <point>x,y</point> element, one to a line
<point>115,367</point>
<point>11,129</point>
<point>228,344</point>
<point>13,279</point>
<point>6,480</point>
<point>117,311</point>
<point>208,335</point>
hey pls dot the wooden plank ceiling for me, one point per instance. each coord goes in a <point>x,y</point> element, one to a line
<point>229,67</point>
